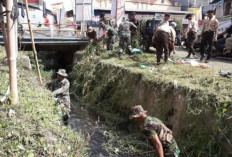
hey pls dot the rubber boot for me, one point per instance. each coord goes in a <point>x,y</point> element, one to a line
<point>120,55</point>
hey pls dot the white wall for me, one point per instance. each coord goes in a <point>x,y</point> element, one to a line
<point>36,16</point>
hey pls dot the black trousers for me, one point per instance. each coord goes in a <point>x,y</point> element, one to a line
<point>207,39</point>
<point>190,41</point>
<point>162,45</point>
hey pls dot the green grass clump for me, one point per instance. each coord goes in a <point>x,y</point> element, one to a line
<point>36,129</point>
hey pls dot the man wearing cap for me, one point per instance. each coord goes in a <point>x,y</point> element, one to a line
<point>164,40</point>
<point>134,30</point>
<point>62,93</point>
<point>110,32</point>
<point>91,34</point>
<point>160,136</point>
<point>208,34</point>
<point>191,32</point>
<point>94,45</point>
<point>124,36</point>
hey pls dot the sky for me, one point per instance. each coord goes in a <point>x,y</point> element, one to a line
<point>67,3</point>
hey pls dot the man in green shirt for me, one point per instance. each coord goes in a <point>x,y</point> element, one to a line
<point>160,136</point>
<point>110,32</point>
<point>62,94</point>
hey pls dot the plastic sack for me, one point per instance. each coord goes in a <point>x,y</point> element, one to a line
<point>136,51</point>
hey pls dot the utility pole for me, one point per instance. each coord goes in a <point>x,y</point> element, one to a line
<point>11,38</point>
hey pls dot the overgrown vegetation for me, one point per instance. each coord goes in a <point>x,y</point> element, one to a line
<point>110,87</point>
<point>35,129</point>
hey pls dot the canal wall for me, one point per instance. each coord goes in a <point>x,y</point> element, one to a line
<point>187,99</point>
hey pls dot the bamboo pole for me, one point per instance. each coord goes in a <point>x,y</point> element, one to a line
<point>33,43</point>
<point>11,36</point>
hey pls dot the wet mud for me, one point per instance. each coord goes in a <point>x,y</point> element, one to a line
<point>84,120</point>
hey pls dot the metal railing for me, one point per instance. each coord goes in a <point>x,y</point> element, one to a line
<point>54,30</point>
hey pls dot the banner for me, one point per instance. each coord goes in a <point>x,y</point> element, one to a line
<point>57,6</point>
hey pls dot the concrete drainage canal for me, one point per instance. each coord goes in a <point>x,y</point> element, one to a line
<point>107,91</point>
<point>106,137</point>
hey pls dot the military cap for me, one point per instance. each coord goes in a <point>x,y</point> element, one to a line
<point>173,24</point>
<point>62,72</point>
<point>90,29</point>
<point>137,111</point>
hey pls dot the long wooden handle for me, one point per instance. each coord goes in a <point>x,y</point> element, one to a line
<point>33,43</point>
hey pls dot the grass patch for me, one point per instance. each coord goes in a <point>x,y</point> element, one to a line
<point>36,129</point>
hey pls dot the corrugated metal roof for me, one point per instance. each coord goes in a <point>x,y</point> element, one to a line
<point>215,1</point>
<point>151,11</point>
<point>162,11</point>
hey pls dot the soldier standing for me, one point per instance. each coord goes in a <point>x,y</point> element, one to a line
<point>191,32</point>
<point>160,136</point>
<point>209,35</point>
<point>62,94</point>
<point>124,35</point>
<point>134,31</point>
<point>106,20</point>
<point>111,33</point>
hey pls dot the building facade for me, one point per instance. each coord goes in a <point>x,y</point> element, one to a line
<point>185,4</point>
<point>139,5</point>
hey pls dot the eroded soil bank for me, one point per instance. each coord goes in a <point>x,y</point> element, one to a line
<point>191,101</point>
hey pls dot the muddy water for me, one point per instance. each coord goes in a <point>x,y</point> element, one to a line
<point>87,122</point>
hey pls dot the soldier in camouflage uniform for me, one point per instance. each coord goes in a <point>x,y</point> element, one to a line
<point>134,31</point>
<point>124,35</point>
<point>106,20</point>
<point>110,32</point>
<point>62,94</point>
<point>160,136</point>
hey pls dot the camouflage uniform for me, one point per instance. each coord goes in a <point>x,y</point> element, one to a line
<point>111,32</point>
<point>153,126</point>
<point>62,97</point>
<point>134,34</point>
<point>107,23</point>
<point>125,36</point>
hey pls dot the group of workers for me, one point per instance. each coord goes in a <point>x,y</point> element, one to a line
<point>161,137</point>
<point>164,36</point>
<point>127,33</point>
